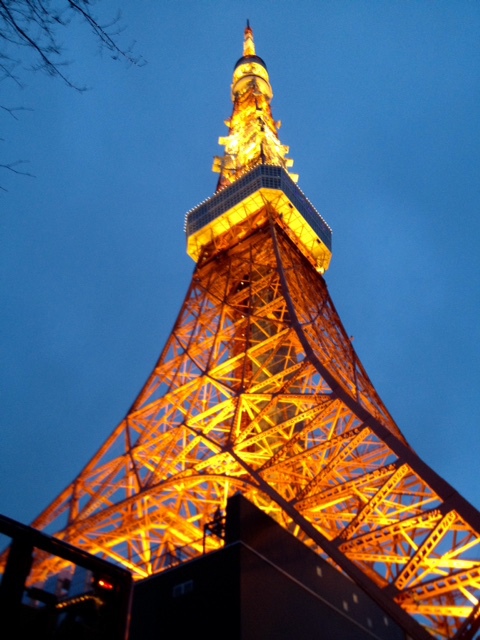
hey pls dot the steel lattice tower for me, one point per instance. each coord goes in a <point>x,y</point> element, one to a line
<point>259,390</point>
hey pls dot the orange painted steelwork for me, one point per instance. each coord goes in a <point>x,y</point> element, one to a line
<point>259,390</point>
<point>253,133</point>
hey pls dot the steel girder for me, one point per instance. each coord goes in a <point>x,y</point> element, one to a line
<point>259,390</point>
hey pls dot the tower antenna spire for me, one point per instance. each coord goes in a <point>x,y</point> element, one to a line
<point>259,390</point>
<point>253,133</point>
<point>248,43</point>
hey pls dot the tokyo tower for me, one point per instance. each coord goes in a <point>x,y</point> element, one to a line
<point>258,390</point>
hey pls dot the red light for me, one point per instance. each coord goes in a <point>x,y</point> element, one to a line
<point>105,585</point>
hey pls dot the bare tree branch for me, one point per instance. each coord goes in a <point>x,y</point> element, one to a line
<point>30,37</point>
<point>34,27</point>
<point>13,110</point>
<point>13,167</point>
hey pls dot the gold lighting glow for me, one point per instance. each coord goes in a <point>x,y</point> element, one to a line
<point>253,133</point>
<point>259,390</point>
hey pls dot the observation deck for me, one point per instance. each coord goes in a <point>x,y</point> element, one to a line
<point>264,185</point>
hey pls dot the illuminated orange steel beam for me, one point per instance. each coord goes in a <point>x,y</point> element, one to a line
<point>259,390</point>
<point>203,432</point>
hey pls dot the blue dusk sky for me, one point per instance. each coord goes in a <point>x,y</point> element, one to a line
<point>379,102</point>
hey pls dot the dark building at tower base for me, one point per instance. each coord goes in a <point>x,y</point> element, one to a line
<point>263,584</point>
